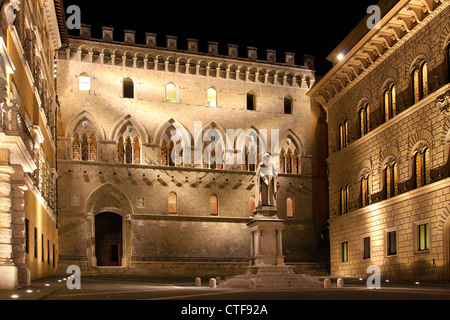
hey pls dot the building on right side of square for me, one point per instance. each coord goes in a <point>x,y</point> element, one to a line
<point>387,100</point>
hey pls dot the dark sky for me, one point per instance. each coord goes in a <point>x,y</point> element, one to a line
<point>313,27</point>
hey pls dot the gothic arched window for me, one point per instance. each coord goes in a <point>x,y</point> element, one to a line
<point>137,151</point>
<point>76,147</point>
<point>120,151</point>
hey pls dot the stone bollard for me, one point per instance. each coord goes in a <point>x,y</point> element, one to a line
<point>212,283</point>
<point>252,284</point>
<point>327,283</point>
<point>340,283</point>
<point>198,282</point>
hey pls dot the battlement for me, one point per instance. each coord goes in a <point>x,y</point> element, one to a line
<point>193,48</point>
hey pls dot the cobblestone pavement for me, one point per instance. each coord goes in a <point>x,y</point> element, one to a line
<point>178,295</point>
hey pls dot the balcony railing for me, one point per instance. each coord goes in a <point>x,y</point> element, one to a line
<point>13,124</point>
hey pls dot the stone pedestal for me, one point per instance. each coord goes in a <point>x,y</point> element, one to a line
<point>267,268</point>
<point>266,241</point>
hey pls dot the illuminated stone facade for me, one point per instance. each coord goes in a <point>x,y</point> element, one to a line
<point>122,103</point>
<point>29,36</point>
<point>387,105</point>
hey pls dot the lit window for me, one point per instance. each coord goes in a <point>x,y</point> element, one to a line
<point>423,238</point>
<point>211,97</point>
<point>137,151</point>
<point>421,160</point>
<point>84,148</point>
<point>213,205</point>
<point>343,135</point>
<point>282,161</point>
<point>345,251</point>
<point>290,208</point>
<point>76,147</point>
<point>344,200</point>
<point>172,203</point>
<point>164,153</point>
<point>93,148</point>
<point>364,120</point>
<point>128,151</point>
<point>390,103</point>
<point>420,82</point>
<point>365,192</point>
<point>416,86</point>
<point>424,71</point>
<point>120,150</point>
<point>171,93</point>
<point>84,82</point>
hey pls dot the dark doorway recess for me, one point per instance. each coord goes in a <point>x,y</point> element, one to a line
<point>108,239</point>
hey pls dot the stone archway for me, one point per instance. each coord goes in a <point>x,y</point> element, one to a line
<point>108,239</point>
<point>109,212</point>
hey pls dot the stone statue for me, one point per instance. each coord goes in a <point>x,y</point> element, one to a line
<point>8,12</point>
<point>266,186</point>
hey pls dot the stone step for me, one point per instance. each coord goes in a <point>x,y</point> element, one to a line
<point>265,282</point>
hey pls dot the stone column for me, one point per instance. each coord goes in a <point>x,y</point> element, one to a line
<point>8,270</point>
<point>18,226</point>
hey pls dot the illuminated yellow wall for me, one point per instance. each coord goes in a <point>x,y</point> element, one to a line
<point>37,216</point>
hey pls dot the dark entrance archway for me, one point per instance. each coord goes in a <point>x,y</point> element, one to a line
<point>108,239</point>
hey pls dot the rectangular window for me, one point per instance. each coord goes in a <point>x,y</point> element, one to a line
<point>85,83</point>
<point>388,182</point>
<point>344,251</point>
<point>392,243</point>
<point>42,246</point>
<point>416,86</point>
<point>48,251</point>
<point>423,237</point>
<point>27,235</point>
<point>54,263</point>
<point>366,248</point>
<point>35,242</point>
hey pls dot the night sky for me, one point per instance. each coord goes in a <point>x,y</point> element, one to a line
<point>302,27</point>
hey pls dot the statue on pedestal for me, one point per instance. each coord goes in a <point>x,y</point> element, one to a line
<point>266,186</point>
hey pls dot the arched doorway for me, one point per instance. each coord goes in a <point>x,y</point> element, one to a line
<point>108,239</point>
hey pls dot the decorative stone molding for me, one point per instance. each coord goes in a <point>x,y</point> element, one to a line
<point>443,102</point>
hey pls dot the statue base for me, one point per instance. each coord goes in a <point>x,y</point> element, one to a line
<point>266,266</point>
